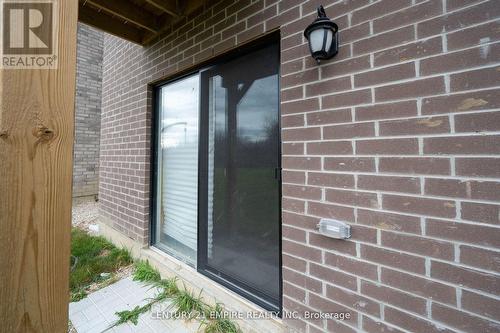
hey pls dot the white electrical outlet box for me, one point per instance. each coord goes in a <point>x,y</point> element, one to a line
<point>334,229</point>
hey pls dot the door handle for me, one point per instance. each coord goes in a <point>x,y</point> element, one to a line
<point>277,174</point>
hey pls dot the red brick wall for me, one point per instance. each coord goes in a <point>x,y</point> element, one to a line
<point>398,135</point>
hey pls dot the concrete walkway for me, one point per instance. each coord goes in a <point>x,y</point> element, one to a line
<point>96,312</point>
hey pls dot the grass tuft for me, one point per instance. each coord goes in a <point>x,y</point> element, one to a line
<point>218,323</point>
<point>131,315</point>
<point>144,272</point>
<point>93,255</point>
<point>186,303</point>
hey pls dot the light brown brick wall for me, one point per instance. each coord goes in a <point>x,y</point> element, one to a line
<point>398,135</point>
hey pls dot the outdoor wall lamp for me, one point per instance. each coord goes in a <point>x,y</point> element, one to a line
<point>323,37</point>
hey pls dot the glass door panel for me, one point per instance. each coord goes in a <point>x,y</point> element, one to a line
<point>177,205</point>
<point>241,241</point>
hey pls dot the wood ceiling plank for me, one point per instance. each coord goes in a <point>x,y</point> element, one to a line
<point>168,6</point>
<point>129,12</point>
<point>113,26</point>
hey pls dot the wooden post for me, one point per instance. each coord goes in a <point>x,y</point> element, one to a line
<point>36,157</point>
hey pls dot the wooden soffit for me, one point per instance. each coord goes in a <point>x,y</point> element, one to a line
<point>138,21</point>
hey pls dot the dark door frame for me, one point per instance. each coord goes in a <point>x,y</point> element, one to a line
<point>253,295</point>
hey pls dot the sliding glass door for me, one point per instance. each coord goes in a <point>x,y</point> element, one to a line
<point>217,169</point>
<point>240,243</point>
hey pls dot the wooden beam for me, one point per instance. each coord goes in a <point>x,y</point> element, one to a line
<point>129,12</point>
<point>36,161</point>
<point>168,6</point>
<point>113,26</point>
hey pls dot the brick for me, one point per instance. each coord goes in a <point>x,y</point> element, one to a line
<point>293,292</point>
<point>384,75</point>
<point>384,40</point>
<point>418,245</point>
<point>298,220</point>
<point>463,145</point>
<point>354,33</point>
<point>293,205</point>
<point>463,232</point>
<point>305,105</point>
<point>329,117</point>
<point>293,67</point>
<point>348,131</point>
<point>389,221</point>
<point>394,297</point>
<point>415,126</point>
<point>353,300</point>
<point>330,244</point>
<point>459,20</point>
<point>353,198</point>
<point>477,122</point>
<point>324,87</point>
<point>482,34</point>
<point>324,305</point>
<point>459,60</point>
<point>408,15</point>
<point>386,111</point>
<point>349,164</point>
<point>294,263</point>
<point>304,163</point>
<point>419,286</point>
<point>466,277</point>
<point>387,146</point>
<point>481,167</point>
<point>293,234</point>
<point>480,258</point>
<point>411,322</point>
<point>480,304</point>
<point>333,276</point>
<point>291,94</point>
<point>352,265</point>
<point>292,148</point>
<point>377,9</point>
<point>294,177</point>
<point>389,183</point>
<point>302,280</point>
<point>338,180</point>
<point>301,134</point>
<point>292,121</point>
<point>331,211</point>
<point>415,165</point>
<point>350,98</point>
<point>392,258</point>
<point>301,251</point>
<point>475,79</point>
<point>329,148</point>
<point>416,88</point>
<point>470,101</point>
<point>462,320</point>
<point>348,66</point>
<point>479,212</point>
<point>364,234</point>
<point>303,77</point>
<point>301,192</point>
<point>376,326</point>
<point>410,51</point>
<point>447,187</point>
<point>423,206</point>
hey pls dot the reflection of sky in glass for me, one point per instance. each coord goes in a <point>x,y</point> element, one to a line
<point>260,101</point>
<point>179,114</point>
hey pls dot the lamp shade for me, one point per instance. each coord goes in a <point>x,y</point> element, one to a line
<point>322,35</point>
